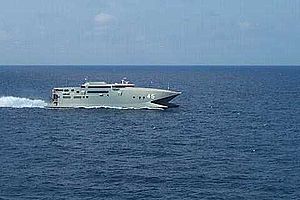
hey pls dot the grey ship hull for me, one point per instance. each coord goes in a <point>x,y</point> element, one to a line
<point>111,96</point>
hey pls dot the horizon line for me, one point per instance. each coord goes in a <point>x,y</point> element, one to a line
<point>170,65</point>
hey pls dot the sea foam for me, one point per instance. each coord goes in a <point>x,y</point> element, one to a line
<point>18,102</point>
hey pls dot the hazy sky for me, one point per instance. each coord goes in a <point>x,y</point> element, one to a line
<point>150,32</point>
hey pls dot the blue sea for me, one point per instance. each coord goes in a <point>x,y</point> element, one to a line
<point>235,135</point>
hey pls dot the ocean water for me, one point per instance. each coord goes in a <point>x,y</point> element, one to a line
<point>236,135</point>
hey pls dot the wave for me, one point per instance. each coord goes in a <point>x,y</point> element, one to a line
<point>18,102</point>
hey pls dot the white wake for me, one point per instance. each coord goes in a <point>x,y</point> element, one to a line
<point>17,102</point>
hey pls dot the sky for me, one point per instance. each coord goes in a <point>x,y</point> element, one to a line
<point>150,32</point>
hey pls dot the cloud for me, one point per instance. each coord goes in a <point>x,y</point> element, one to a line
<point>104,19</point>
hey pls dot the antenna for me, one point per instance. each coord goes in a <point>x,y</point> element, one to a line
<point>124,80</point>
<point>168,86</point>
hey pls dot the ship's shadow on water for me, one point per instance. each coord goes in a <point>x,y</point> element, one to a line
<point>235,135</point>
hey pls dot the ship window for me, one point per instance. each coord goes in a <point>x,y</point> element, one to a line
<point>99,86</point>
<point>144,97</point>
<point>87,97</point>
<point>97,92</point>
<point>133,97</point>
<point>72,90</point>
<point>118,86</point>
<point>66,90</point>
<point>140,97</point>
<point>122,86</point>
<point>108,95</point>
<point>77,91</point>
<point>59,90</point>
<point>77,97</point>
<point>66,97</point>
<point>82,86</point>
